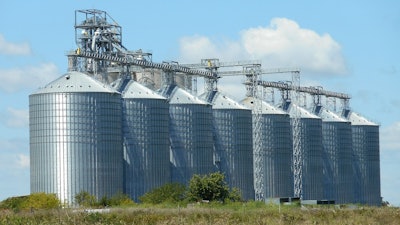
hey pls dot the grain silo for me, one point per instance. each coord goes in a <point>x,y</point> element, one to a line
<point>190,128</point>
<point>365,136</point>
<point>308,140</point>
<point>337,157</point>
<point>276,150</point>
<point>76,138</point>
<point>233,141</point>
<point>146,140</point>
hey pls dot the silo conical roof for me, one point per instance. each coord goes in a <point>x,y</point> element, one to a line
<point>138,91</point>
<point>180,96</point>
<point>357,119</point>
<point>266,108</point>
<point>328,116</point>
<point>221,101</point>
<point>75,82</point>
<point>294,110</point>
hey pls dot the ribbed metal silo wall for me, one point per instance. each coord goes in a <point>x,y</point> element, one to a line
<point>234,148</point>
<point>312,165</point>
<point>367,164</point>
<point>146,145</point>
<point>338,168</point>
<point>191,141</point>
<point>76,144</point>
<point>278,150</point>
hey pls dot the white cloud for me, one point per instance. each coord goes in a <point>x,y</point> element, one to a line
<point>28,77</point>
<point>200,46</point>
<point>14,154</point>
<point>283,43</point>
<point>8,48</point>
<point>232,87</point>
<point>23,161</point>
<point>17,118</point>
<point>389,137</point>
<point>194,48</point>
<point>14,167</point>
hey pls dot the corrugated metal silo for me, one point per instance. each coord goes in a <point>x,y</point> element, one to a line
<point>276,144</point>
<point>365,136</point>
<point>233,141</point>
<point>337,157</point>
<point>190,135</point>
<point>146,140</point>
<point>76,138</point>
<point>310,145</point>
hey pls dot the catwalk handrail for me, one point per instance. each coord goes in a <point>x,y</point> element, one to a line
<point>309,90</point>
<point>146,64</point>
<point>223,64</point>
<point>262,71</point>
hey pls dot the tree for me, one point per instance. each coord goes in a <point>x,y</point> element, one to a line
<point>170,192</point>
<point>210,187</point>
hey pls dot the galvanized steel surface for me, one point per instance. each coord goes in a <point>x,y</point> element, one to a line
<point>366,164</point>
<point>76,142</point>
<point>146,140</point>
<point>233,138</point>
<point>276,150</point>
<point>337,157</point>
<point>310,144</point>
<point>190,135</point>
<point>338,160</point>
<point>312,166</point>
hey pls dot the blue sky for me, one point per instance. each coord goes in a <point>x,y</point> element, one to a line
<point>345,46</point>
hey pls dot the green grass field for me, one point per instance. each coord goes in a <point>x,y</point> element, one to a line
<point>213,213</point>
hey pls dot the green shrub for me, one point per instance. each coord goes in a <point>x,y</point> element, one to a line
<point>41,200</point>
<point>13,203</point>
<point>104,201</point>
<point>210,187</point>
<point>235,195</point>
<point>85,199</point>
<point>121,199</point>
<point>38,200</point>
<point>168,193</point>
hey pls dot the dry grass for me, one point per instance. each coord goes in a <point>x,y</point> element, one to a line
<point>210,214</point>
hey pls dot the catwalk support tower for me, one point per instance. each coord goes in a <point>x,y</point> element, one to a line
<point>297,150</point>
<point>253,85</point>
